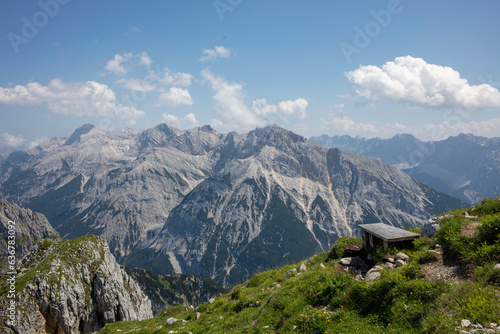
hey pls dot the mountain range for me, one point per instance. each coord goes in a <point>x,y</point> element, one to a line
<point>465,166</point>
<point>219,205</point>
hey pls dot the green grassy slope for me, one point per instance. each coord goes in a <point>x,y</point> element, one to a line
<point>322,300</point>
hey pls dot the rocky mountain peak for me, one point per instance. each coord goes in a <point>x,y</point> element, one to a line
<point>83,130</point>
<point>203,203</point>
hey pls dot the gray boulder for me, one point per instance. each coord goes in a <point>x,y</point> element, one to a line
<point>432,226</point>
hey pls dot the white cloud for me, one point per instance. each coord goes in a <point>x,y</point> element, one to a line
<point>260,107</point>
<point>139,85</point>
<point>413,81</point>
<point>88,98</point>
<point>169,118</point>
<point>145,59</point>
<point>347,125</point>
<point>235,112</point>
<point>115,65</point>
<point>174,79</point>
<point>216,53</point>
<point>175,96</point>
<point>191,119</point>
<point>215,123</point>
<point>132,30</point>
<point>295,108</point>
<point>230,103</point>
<point>339,107</point>
<point>488,128</point>
<point>11,140</point>
<point>157,81</point>
<point>37,141</point>
<point>346,96</point>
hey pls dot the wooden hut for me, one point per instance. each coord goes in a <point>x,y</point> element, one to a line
<point>386,235</point>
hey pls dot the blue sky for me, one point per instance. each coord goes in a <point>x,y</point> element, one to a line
<point>368,68</point>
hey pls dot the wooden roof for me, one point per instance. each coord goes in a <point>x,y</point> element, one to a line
<point>388,233</point>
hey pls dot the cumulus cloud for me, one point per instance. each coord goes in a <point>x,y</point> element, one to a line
<point>173,78</point>
<point>260,107</point>
<point>139,85</point>
<point>414,81</point>
<point>346,124</point>
<point>157,81</point>
<point>452,126</point>
<point>145,59</point>
<point>115,65</point>
<point>175,96</point>
<point>11,140</point>
<point>169,118</point>
<point>191,119</point>
<point>488,128</point>
<point>231,105</point>
<point>88,98</point>
<point>216,53</point>
<point>230,102</point>
<point>37,141</point>
<point>295,108</point>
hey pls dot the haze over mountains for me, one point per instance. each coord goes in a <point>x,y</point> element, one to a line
<point>465,166</point>
<point>205,203</point>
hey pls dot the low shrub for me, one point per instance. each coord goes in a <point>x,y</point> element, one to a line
<point>425,257</point>
<point>488,207</point>
<point>489,231</point>
<point>412,272</point>
<point>339,247</point>
<point>488,275</point>
<point>422,243</point>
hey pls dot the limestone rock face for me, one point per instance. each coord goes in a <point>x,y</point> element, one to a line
<point>26,226</point>
<point>75,287</point>
<point>203,203</point>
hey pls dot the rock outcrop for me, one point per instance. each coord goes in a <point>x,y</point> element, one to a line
<point>26,227</point>
<point>72,287</point>
<point>432,226</point>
